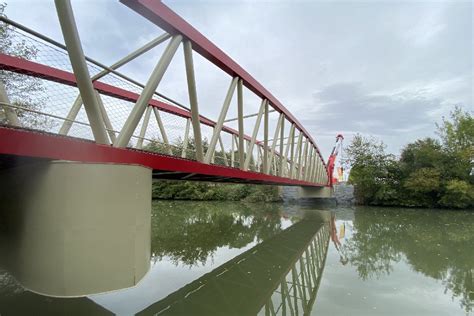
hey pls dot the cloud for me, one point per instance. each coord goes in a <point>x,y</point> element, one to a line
<point>403,115</point>
<point>387,68</point>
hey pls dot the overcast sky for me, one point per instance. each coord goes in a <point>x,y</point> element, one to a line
<point>385,68</point>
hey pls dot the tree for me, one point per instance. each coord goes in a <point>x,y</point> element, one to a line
<point>422,188</point>
<point>423,153</point>
<point>24,91</point>
<point>458,194</point>
<point>457,136</point>
<point>373,172</point>
<point>429,173</point>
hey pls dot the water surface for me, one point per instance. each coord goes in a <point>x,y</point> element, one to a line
<point>244,259</point>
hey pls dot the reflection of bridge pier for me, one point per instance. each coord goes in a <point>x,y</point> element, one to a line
<point>279,276</point>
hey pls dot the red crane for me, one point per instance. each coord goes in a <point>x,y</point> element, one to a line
<point>332,158</point>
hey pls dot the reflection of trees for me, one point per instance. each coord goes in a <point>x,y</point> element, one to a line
<point>437,244</point>
<point>191,232</point>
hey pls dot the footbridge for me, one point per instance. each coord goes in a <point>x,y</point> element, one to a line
<point>81,110</point>
<point>81,141</point>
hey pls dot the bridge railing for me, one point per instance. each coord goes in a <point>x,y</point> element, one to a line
<point>52,87</point>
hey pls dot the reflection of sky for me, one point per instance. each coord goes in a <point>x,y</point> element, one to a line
<point>164,278</point>
<point>402,292</point>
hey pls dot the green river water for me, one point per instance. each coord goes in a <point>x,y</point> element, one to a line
<point>272,259</point>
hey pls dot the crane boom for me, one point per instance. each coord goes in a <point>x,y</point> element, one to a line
<point>332,158</point>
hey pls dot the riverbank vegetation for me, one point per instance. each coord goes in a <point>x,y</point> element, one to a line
<point>204,191</point>
<point>429,172</point>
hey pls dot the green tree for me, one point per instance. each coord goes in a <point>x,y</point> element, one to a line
<point>429,173</point>
<point>423,153</point>
<point>422,188</point>
<point>458,194</point>
<point>457,136</point>
<point>374,173</point>
<point>24,91</point>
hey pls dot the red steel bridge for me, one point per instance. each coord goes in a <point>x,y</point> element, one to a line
<point>80,143</point>
<point>88,112</point>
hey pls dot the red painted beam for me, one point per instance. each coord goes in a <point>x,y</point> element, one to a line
<point>34,69</point>
<point>159,14</point>
<point>26,143</point>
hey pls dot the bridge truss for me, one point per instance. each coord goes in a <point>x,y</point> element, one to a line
<point>59,104</point>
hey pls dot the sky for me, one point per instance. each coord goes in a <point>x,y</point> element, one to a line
<point>390,69</point>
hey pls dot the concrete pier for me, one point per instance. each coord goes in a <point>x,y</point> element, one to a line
<point>311,196</point>
<point>73,229</point>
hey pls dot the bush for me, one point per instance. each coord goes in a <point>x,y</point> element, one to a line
<point>201,191</point>
<point>458,194</point>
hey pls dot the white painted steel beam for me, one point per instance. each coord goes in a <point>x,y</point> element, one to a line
<point>188,60</point>
<point>162,131</point>
<point>265,165</point>
<point>81,72</point>
<point>186,139</point>
<point>240,114</point>
<point>254,134</point>
<point>147,93</point>
<point>146,119</point>
<point>220,121</point>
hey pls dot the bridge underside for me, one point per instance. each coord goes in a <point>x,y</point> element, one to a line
<point>21,146</point>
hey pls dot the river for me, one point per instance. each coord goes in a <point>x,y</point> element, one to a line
<point>213,258</point>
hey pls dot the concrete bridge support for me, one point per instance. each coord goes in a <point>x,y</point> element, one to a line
<point>73,229</point>
<point>323,196</point>
<point>311,196</point>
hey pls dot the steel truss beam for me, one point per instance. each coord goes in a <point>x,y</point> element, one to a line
<point>159,14</point>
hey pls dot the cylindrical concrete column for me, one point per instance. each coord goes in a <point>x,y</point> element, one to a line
<point>76,228</point>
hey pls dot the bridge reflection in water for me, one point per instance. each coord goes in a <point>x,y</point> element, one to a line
<point>280,276</point>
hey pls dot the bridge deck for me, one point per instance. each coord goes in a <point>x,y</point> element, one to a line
<point>16,144</point>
